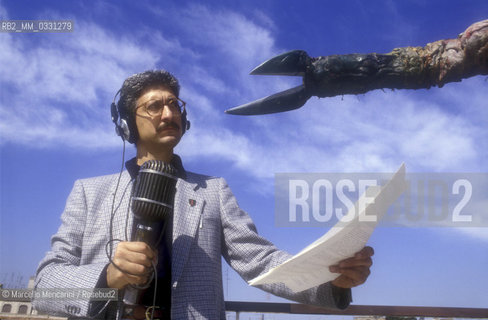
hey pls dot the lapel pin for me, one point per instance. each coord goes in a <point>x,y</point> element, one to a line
<point>192,202</point>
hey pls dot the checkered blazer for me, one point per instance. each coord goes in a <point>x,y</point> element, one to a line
<point>207,224</point>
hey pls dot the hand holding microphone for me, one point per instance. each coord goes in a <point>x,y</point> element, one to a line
<point>136,259</point>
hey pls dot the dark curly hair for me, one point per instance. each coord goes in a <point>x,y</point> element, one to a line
<point>132,89</point>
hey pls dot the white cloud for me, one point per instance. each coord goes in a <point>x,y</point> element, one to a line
<point>65,67</point>
<point>3,12</point>
<point>63,86</point>
<point>242,40</point>
<point>476,233</point>
<point>71,80</point>
<point>374,132</point>
<point>230,46</point>
<point>49,127</point>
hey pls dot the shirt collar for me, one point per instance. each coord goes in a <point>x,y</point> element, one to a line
<point>133,168</point>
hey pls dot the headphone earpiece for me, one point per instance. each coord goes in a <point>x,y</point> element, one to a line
<point>123,130</point>
<point>114,113</point>
<point>185,124</point>
<point>121,126</point>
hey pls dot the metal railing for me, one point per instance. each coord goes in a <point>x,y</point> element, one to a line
<point>356,310</point>
<point>353,310</point>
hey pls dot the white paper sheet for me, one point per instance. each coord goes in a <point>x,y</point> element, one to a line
<point>310,267</point>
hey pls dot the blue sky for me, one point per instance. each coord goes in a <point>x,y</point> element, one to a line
<point>55,124</point>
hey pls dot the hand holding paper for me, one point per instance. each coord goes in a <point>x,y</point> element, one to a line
<point>310,267</point>
<point>355,270</point>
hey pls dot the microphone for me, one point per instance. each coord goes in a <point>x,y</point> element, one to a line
<point>152,205</point>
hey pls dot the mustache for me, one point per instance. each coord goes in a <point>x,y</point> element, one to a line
<point>167,125</point>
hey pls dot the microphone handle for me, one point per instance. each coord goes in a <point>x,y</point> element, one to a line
<point>143,233</point>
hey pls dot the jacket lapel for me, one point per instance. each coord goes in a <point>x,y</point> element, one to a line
<point>188,208</point>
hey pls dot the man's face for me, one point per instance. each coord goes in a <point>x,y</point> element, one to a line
<point>158,132</point>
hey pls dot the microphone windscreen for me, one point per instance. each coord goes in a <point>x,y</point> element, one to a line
<point>154,191</point>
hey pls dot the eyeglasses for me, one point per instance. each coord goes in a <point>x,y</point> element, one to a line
<point>155,108</point>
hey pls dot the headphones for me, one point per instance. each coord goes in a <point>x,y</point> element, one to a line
<point>126,128</point>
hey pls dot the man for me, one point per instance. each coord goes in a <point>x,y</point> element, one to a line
<point>207,224</point>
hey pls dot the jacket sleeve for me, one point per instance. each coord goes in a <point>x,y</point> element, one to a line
<point>251,255</point>
<point>62,268</point>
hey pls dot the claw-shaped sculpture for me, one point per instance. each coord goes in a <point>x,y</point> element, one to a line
<point>435,64</point>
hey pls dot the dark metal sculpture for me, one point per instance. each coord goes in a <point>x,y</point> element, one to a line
<point>435,64</point>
